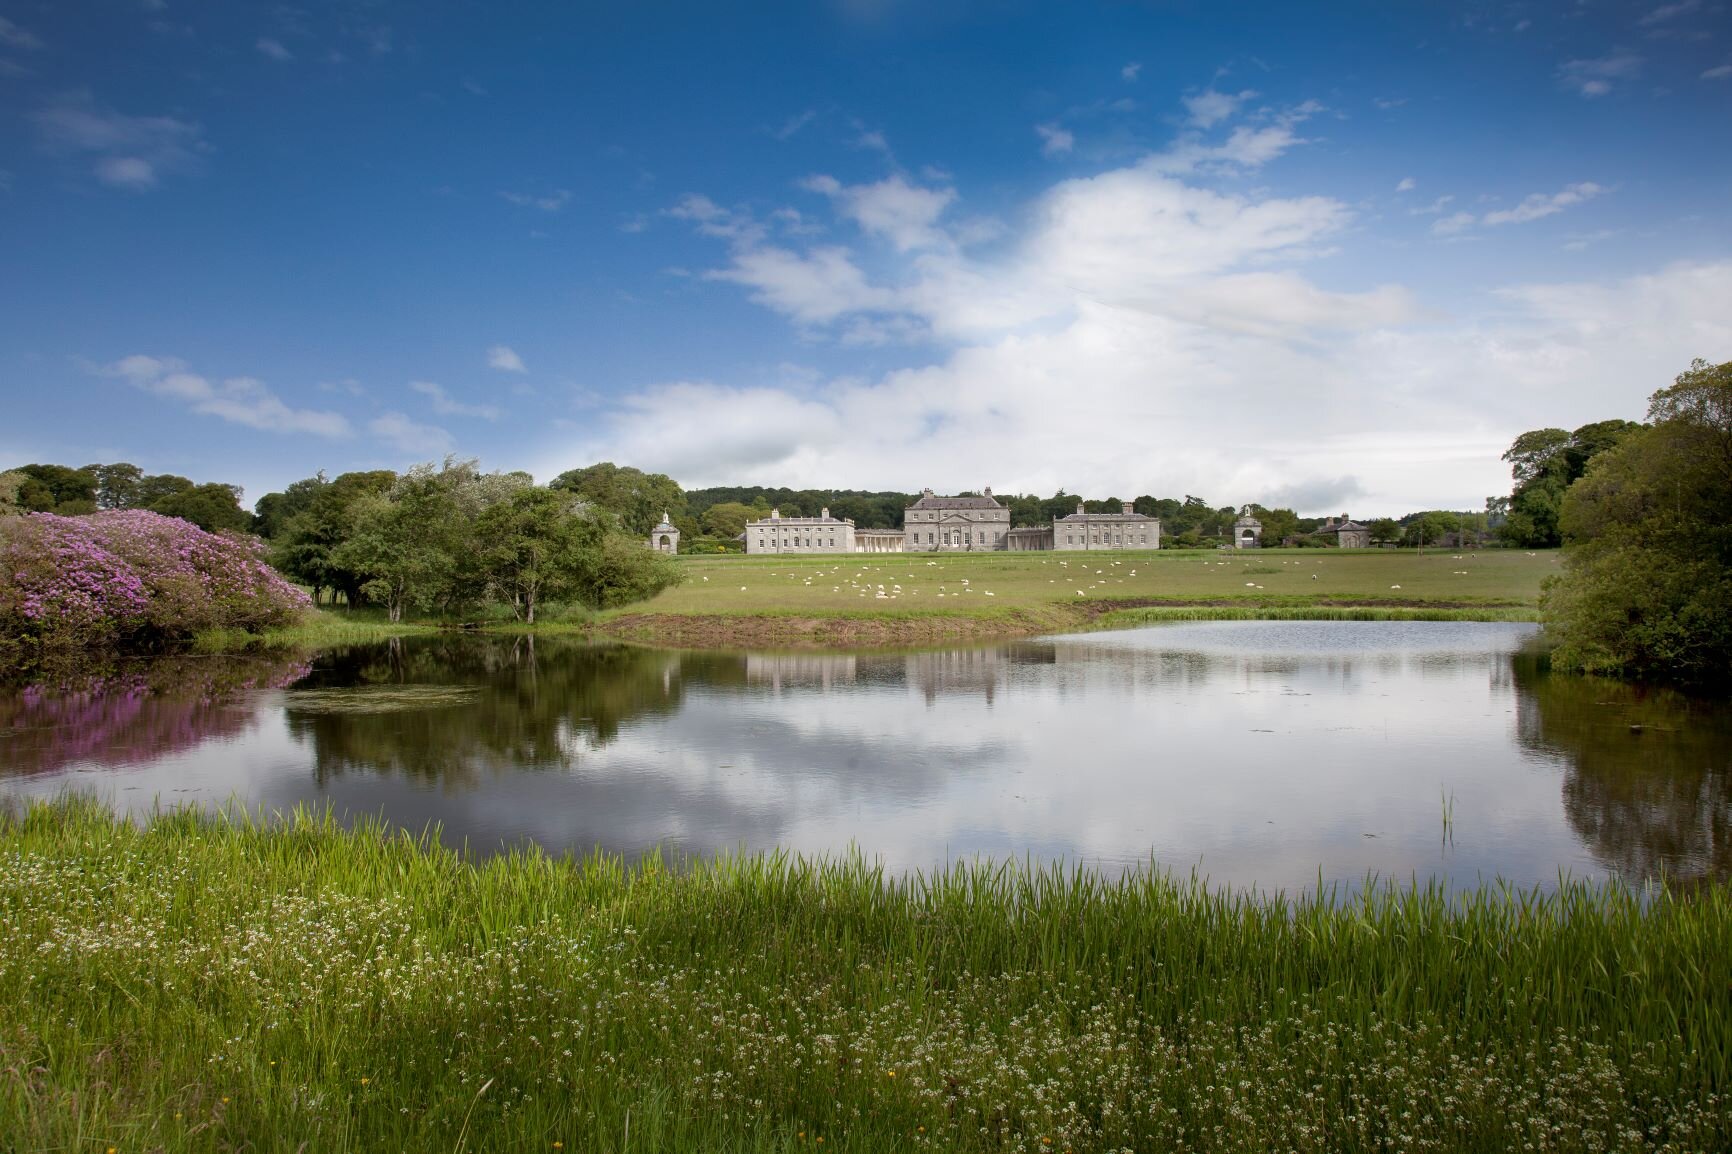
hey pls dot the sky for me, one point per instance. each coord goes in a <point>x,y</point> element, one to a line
<point>1328,258</point>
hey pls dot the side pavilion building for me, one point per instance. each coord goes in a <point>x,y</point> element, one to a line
<point>1126,529</point>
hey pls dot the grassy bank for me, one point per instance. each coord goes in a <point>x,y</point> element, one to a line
<point>208,986</point>
<point>923,598</point>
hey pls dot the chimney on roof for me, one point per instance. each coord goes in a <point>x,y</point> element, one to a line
<point>1128,509</point>
<point>926,492</point>
<point>1329,524</point>
<point>825,513</point>
<point>775,514</point>
<point>1079,507</point>
<point>987,491</point>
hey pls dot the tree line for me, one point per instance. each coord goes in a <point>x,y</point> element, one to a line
<point>71,492</point>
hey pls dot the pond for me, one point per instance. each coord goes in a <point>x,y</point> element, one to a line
<point>1267,754</point>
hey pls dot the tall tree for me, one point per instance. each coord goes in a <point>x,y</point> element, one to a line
<point>211,507</point>
<point>637,498</point>
<point>1647,583</point>
<point>57,489</point>
<point>116,485</point>
<point>1544,463</point>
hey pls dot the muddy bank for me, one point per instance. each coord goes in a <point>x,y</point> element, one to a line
<point>691,631</point>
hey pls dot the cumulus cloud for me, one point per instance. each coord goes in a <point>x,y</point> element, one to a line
<point>411,437</point>
<point>1719,72</point>
<point>1142,330</point>
<point>129,152</point>
<point>1054,141</point>
<point>1408,184</point>
<point>1115,401</point>
<point>445,405</point>
<point>1596,77</point>
<point>904,214</point>
<point>239,400</point>
<point>505,359</point>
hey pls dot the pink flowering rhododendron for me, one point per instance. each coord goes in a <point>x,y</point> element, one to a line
<point>132,578</point>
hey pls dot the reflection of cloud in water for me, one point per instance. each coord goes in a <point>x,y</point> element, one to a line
<point>1266,755</point>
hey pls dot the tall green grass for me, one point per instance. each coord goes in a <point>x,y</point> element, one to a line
<point>212,983</point>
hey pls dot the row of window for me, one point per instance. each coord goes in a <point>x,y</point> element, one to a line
<point>1104,539</point>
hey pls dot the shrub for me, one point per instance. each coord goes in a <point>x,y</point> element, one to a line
<point>132,579</point>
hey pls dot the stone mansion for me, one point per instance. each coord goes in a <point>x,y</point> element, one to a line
<point>936,524</point>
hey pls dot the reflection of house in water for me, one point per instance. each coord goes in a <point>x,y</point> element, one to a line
<point>955,671</point>
<point>802,670</point>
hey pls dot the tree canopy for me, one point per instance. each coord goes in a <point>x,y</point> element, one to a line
<point>1544,463</point>
<point>1647,583</point>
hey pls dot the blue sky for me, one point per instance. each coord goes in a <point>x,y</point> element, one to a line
<point>1252,252</point>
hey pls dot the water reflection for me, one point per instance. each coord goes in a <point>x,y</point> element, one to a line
<point>132,713</point>
<point>1647,773</point>
<point>1259,753</point>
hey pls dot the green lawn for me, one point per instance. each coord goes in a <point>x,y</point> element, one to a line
<point>997,584</point>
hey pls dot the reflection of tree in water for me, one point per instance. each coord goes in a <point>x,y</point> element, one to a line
<point>133,711</point>
<point>1648,783</point>
<point>538,703</point>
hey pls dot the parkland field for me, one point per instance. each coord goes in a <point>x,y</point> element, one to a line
<point>891,598</point>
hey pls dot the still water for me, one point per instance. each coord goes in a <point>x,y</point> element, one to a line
<point>1271,754</point>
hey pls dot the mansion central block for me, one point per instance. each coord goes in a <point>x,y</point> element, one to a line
<point>936,524</point>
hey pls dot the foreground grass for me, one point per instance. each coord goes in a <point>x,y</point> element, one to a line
<point>212,985</point>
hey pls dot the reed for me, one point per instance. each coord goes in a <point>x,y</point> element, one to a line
<point>204,982</point>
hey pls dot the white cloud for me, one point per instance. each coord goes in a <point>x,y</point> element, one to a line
<point>1532,207</point>
<point>794,124</point>
<point>130,152</point>
<point>1248,146</point>
<point>505,359</point>
<point>1432,209</point>
<point>1120,401</point>
<point>1539,204</point>
<point>904,214</point>
<point>444,405</point>
<point>549,202</point>
<point>411,437</point>
<point>273,48</point>
<point>1209,107</point>
<point>1596,77</point>
<point>1453,224</point>
<point>239,400</point>
<point>1408,184</point>
<point>1129,71</point>
<point>126,172</point>
<point>1054,141</point>
<point>1138,332</point>
<point>814,287</point>
<point>1720,72</point>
